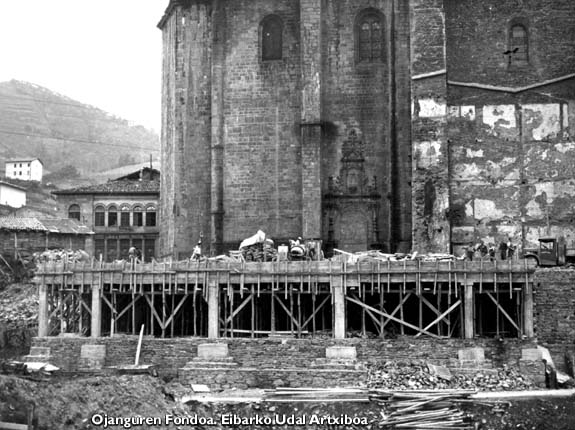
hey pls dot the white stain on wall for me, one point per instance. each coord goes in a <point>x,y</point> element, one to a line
<point>499,116</point>
<point>545,117</point>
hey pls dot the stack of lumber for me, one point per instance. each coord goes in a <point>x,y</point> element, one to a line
<point>316,395</point>
<point>259,252</point>
<point>423,409</point>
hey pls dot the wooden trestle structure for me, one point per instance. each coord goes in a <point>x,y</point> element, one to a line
<point>228,299</point>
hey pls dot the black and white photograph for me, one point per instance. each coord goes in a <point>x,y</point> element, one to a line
<point>287,214</point>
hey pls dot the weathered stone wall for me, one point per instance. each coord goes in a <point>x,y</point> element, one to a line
<point>431,228</point>
<point>186,128</point>
<point>251,144</point>
<point>511,146</point>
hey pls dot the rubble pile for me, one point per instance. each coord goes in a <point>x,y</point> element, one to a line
<point>19,306</point>
<point>416,376</point>
<point>69,255</point>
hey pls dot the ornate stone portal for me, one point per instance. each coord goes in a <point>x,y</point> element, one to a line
<point>352,202</point>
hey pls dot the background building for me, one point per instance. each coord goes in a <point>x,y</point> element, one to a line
<point>12,195</point>
<point>395,124</point>
<point>122,213</point>
<point>25,169</point>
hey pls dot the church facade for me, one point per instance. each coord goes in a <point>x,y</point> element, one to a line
<point>398,125</point>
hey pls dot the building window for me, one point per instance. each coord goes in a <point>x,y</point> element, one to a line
<point>112,216</point>
<point>100,248</point>
<point>138,217</point>
<point>74,212</point>
<point>518,45</point>
<point>272,29</point>
<point>99,216</point>
<point>125,216</point>
<point>150,216</point>
<point>369,37</point>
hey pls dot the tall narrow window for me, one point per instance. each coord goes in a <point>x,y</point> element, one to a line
<point>369,35</point>
<point>151,216</point>
<point>112,216</point>
<point>125,216</point>
<point>138,217</point>
<point>518,45</point>
<point>74,212</point>
<point>272,39</point>
<point>99,216</point>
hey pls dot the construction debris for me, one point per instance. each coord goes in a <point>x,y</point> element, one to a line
<point>61,255</point>
<point>393,375</point>
<point>378,256</point>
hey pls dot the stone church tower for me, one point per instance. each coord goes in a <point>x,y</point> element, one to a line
<point>356,121</point>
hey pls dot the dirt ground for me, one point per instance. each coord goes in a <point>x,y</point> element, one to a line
<point>91,402</point>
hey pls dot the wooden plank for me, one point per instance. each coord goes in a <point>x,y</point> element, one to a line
<point>503,312</point>
<point>440,317</point>
<point>405,323</point>
<point>315,311</point>
<point>293,319</point>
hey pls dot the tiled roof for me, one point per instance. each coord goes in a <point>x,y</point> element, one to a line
<point>21,224</point>
<point>52,225</point>
<point>115,187</point>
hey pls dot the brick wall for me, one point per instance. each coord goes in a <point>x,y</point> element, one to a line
<point>554,313</point>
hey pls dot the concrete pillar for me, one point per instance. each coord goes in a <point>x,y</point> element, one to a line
<point>469,304</point>
<point>528,310</point>
<point>96,322</point>
<point>43,317</point>
<point>213,312</point>
<point>339,312</point>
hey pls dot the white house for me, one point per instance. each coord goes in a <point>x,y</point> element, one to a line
<point>25,169</point>
<point>12,195</point>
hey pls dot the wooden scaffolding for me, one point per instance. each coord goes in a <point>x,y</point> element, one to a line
<point>228,299</point>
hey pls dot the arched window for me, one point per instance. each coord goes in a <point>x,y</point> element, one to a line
<point>138,216</point>
<point>271,38</point>
<point>518,45</point>
<point>369,36</point>
<point>99,216</point>
<point>112,216</point>
<point>74,212</point>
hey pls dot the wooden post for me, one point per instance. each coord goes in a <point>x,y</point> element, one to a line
<point>96,322</point>
<point>213,311</point>
<point>468,329</point>
<point>43,312</point>
<point>339,311</point>
<point>528,310</point>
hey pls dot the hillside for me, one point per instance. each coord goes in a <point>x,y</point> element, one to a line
<point>36,122</point>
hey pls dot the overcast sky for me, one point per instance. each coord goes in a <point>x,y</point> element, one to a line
<point>106,53</point>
